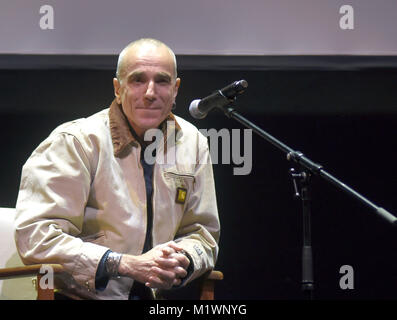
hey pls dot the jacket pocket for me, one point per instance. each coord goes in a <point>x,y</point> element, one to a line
<point>179,177</point>
<point>180,185</point>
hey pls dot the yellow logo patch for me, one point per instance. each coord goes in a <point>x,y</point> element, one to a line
<point>181,195</point>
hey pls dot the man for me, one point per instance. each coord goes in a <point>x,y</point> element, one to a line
<point>92,200</point>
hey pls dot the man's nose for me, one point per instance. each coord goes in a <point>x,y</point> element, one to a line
<point>150,90</point>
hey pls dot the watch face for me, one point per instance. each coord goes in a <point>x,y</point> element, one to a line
<point>112,263</point>
<point>108,264</point>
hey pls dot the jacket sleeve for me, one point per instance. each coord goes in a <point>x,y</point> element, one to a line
<point>54,189</point>
<point>199,230</point>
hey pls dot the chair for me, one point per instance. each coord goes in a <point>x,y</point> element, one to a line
<point>21,286</point>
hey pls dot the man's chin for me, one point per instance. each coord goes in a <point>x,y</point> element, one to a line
<point>148,124</point>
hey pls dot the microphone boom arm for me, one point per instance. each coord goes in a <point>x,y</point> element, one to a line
<point>309,168</point>
<point>314,168</point>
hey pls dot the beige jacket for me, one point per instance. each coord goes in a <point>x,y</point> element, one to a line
<point>82,192</point>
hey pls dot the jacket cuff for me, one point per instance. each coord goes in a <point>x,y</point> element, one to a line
<point>86,267</point>
<point>101,276</point>
<point>201,262</point>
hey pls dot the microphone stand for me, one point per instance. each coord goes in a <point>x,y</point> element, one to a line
<point>301,182</point>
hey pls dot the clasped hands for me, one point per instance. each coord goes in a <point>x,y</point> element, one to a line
<point>162,267</point>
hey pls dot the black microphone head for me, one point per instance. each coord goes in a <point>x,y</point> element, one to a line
<point>242,83</point>
<point>237,87</point>
<point>219,99</point>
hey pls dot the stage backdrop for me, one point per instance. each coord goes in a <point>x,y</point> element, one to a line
<point>205,27</point>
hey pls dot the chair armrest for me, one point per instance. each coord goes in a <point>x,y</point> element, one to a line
<point>46,293</point>
<point>25,271</point>
<point>215,275</point>
<point>208,285</point>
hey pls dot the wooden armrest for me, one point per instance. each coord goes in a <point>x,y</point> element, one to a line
<point>25,271</point>
<point>215,275</point>
<point>208,285</point>
<point>33,270</point>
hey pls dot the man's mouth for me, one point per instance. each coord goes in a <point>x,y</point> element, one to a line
<point>149,108</point>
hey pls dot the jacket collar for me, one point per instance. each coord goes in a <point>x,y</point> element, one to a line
<point>123,134</point>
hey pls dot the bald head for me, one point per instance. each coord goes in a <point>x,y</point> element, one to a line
<point>145,44</point>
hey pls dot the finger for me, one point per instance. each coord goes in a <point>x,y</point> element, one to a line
<point>173,260</point>
<point>177,282</point>
<point>167,262</point>
<point>167,251</point>
<point>175,246</point>
<point>172,265</point>
<point>173,271</point>
<point>158,282</point>
<point>169,244</point>
<point>182,259</point>
<point>163,245</point>
<point>155,282</point>
<point>167,275</point>
<point>180,272</point>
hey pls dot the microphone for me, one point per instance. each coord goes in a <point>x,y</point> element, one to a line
<point>200,107</point>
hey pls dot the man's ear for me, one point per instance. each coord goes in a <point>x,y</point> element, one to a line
<point>177,84</point>
<point>116,86</point>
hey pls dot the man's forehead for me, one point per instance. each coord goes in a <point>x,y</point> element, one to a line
<point>148,48</point>
<point>139,72</point>
<point>149,55</point>
<point>137,68</point>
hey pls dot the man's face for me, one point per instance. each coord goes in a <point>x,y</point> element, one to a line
<point>147,88</point>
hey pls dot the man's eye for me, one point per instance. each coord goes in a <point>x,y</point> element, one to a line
<point>163,81</point>
<point>136,79</point>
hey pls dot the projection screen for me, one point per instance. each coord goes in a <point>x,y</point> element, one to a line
<point>205,27</point>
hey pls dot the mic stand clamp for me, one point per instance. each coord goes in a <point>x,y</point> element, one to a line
<point>228,110</point>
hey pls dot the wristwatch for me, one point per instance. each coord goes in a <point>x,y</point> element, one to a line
<point>112,264</point>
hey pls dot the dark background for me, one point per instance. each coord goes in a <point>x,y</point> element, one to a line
<point>339,111</point>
